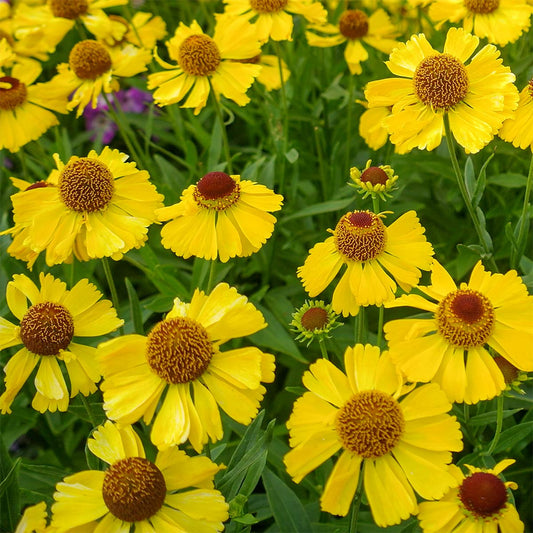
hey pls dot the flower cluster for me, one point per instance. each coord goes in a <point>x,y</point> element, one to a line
<point>170,161</point>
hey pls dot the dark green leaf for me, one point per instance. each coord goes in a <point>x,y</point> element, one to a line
<point>135,308</point>
<point>288,511</point>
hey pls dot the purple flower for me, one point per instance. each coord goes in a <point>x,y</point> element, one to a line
<point>97,120</point>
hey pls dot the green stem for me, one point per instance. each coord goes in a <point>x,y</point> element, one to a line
<point>356,503</point>
<point>112,287</point>
<point>124,130</point>
<point>380,325</point>
<point>349,126</point>
<point>375,203</point>
<point>285,124</point>
<point>464,193</point>
<point>211,280</point>
<point>499,424</point>
<point>516,254</point>
<point>360,326</point>
<point>88,409</point>
<point>323,350</point>
<point>225,140</point>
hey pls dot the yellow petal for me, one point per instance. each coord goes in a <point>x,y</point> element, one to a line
<point>341,484</point>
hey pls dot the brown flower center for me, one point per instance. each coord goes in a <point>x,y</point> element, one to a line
<point>198,55</point>
<point>465,318</point>
<point>509,371</point>
<point>134,489</point>
<point>375,176</point>
<point>178,350</point>
<point>268,6</point>
<point>217,190</point>
<point>353,24</point>
<point>12,96</point>
<point>370,424</point>
<point>46,328</point>
<point>86,185</point>
<point>483,494</point>
<point>360,236</point>
<point>69,9</point>
<point>440,81</point>
<point>315,318</point>
<point>89,59</point>
<point>482,7</point>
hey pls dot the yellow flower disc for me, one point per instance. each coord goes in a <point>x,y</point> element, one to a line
<point>370,424</point>
<point>46,328</point>
<point>14,96</point>
<point>198,55</point>
<point>134,489</point>
<point>483,494</point>
<point>178,350</point>
<point>268,6</point>
<point>69,9</point>
<point>353,24</point>
<point>482,6</point>
<point>216,190</point>
<point>465,318</point>
<point>360,236</point>
<point>86,185</point>
<point>440,81</point>
<point>89,59</point>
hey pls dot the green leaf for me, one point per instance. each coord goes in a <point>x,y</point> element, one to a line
<point>470,178</point>
<point>215,147</point>
<point>9,490</point>
<point>288,511</point>
<point>276,337</point>
<point>490,417</point>
<point>135,308</point>
<point>512,436</point>
<point>292,155</point>
<point>248,461</point>
<point>481,182</point>
<point>508,179</point>
<point>317,209</point>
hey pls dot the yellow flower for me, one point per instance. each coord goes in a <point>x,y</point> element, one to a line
<point>270,75</point>
<point>93,68</point>
<point>92,207</point>
<point>272,19</point>
<point>355,28</point>
<point>477,97</point>
<point>221,216</point>
<point>500,21</point>
<point>481,503</point>
<point>181,355</point>
<point>517,129</point>
<point>144,29</point>
<point>62,15</point>
<point>400,438</point>
<point>25,107</point>
<point>47,328</point>
<point>33,519</point>
<point>371,127</point>
<point>450,348</point>
<point>173,493</point>
<point>204,63</point>
<point>377,258</point>
<point>373,180</point>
